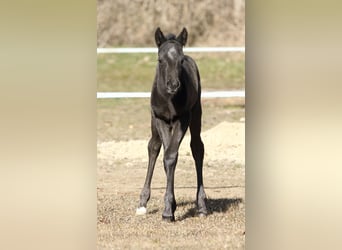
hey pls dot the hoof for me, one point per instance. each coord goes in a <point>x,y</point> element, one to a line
<point>169,218</point>
<point>141,211</point>
<point>202,215</point>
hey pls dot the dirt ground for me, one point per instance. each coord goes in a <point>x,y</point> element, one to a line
<point>122,165</point>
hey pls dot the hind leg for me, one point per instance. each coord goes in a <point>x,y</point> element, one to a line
<point>197,149</point>
<point>153,152</point>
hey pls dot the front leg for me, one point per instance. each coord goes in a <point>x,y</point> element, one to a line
<point>153,152</point>
<point>173,140</point>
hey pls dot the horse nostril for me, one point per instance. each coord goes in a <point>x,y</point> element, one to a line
<point>173,85</point>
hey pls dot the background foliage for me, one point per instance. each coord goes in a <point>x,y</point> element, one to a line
<point>132,23</point>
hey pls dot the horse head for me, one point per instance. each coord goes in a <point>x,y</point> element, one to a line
<point>170,59</point>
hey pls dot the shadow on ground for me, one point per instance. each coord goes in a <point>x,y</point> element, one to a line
<point>213,206</point>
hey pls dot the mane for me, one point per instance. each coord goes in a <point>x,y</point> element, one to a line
<point>170,37</point>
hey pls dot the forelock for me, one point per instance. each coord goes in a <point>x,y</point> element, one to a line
<point>170,37</point>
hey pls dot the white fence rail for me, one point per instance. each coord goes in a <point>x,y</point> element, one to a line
<point>205,94</point>
<point>155,50</point>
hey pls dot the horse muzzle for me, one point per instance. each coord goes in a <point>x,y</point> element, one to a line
<point>172,87</point>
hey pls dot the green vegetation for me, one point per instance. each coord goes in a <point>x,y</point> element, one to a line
<point>135,72</point>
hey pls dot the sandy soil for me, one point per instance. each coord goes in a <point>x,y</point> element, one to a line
<point>121,172</point>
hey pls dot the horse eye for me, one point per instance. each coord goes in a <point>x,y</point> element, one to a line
<point>182,60</point>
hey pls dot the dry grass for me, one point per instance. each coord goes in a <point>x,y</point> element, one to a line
<point>119,228</point>
<point>118,197</point>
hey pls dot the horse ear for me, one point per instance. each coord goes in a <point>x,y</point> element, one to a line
<point>159,37</point>
<point>183,36</point>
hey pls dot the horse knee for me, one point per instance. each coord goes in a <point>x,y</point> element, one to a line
<point>170,158</point>
<point>197,145</point>
<point>196,141</point>
<point>154,145</point>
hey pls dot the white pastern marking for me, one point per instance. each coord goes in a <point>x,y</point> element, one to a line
<point>172,53</point>
<point>141,211</point>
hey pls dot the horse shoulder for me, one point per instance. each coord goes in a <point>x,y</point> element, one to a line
<point>191,69</point>
<point>159,105</point>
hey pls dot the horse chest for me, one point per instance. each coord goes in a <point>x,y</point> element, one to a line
<point>170,108</point>
<point>167,112</point>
